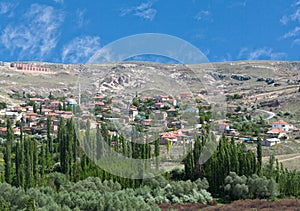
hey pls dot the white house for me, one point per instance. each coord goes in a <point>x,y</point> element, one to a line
<point>133,112</point>
<point>270,142</point>
<point>282,125</point>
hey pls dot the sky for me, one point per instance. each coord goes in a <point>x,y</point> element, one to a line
<point>72,31</point>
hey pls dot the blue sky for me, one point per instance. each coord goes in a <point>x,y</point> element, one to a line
<point>71,31</point>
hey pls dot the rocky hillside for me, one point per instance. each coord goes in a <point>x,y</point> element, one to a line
<point>255,80</point>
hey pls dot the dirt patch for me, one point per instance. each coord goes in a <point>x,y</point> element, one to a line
<point>185,206</point>
<point>261,205</point>
<point>244,205</point>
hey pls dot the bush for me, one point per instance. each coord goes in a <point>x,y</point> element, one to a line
<point>235,186</point>
<point>240,77</point>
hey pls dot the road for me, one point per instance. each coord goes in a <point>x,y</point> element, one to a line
<point>281,158</point>
<point>271,114</point>
<point>288,159</point>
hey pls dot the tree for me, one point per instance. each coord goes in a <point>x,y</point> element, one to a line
<point>60,107</point>
<point>7,152</point>
<point>49,145</point>
<point>41,108</point>
<point>51,97</point>
<point>168,147</point>
<point>157,152</point>
<point>235,186</point>
<point>34,108</point>
<point>29,160</point>
<point>99,145</point>
<point>259,155</point>
<point>261,187</point>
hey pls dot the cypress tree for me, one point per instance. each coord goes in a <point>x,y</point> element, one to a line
<point>60,106</point>
<point>196,155</point>
<point>49,145</point>
<point>69,151</point>
<point>7,152</point>
<point>61,136</point>
<point>21,172</point>
<point>259,156</point>
<point>157,152</point>
<point>29,180</point>
<point>17,163</point>
<point>34,108</point>
<point>35,160</point>
<point>99,147</point>
<point>42,160</point>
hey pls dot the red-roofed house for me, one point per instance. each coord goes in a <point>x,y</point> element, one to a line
<point>186,95</point>
<point>55,104</point>
<point>146,122</point>
<point>172,136</point>
<point>133,112</point>
<point>276,131</point>
<point>282,125</point>
<point>159,105</point>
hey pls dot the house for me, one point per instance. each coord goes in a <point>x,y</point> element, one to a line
<point>99,98</point>
<point>159,105</point>
<point>29,108</point>
<point>146,122</point>
<point>185,95</point>
<point>46,111</point>
<point>32,116</point>
<point>36,100</point>
<point>174,137</point>
<point>55,104</point>
<point>3,130</point>
<point>276,133</point>
<point>172,112</point>
<point>18,108</point>
<point>16,131</point>
<point>71,101</point>
<point>133,112</point>
<point>223,127</point>
<point>158,115</point>
<point>282,125</point>
<point>173,102</point>
<point>270,142</point>
<point>165,98</point>
<point>99,105</point>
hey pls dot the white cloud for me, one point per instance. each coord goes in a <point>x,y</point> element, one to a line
<point>294,17</point>
<point>238,4</point>
<point>296,3</point>
<point>260,53</point>
<point>296,42</point>
<point>59,1</point>
<point>81,21</point>
<point>292,33</point>
<point>144,11</point>
<point>284,20</point>
<point>80,49</point>
<point>7,8</point>
<point>36,35</point>
<point>203,15</point>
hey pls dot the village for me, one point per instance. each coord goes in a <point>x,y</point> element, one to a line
<point>157,113</point>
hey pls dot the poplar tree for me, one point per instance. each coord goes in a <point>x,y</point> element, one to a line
<point>157,152</point>
<point>259,156</point>
<point>7,152</point>
<point>99,147</point>
<point>49,145</point>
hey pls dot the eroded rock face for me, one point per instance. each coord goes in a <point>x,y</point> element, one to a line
<point>113,77</point>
